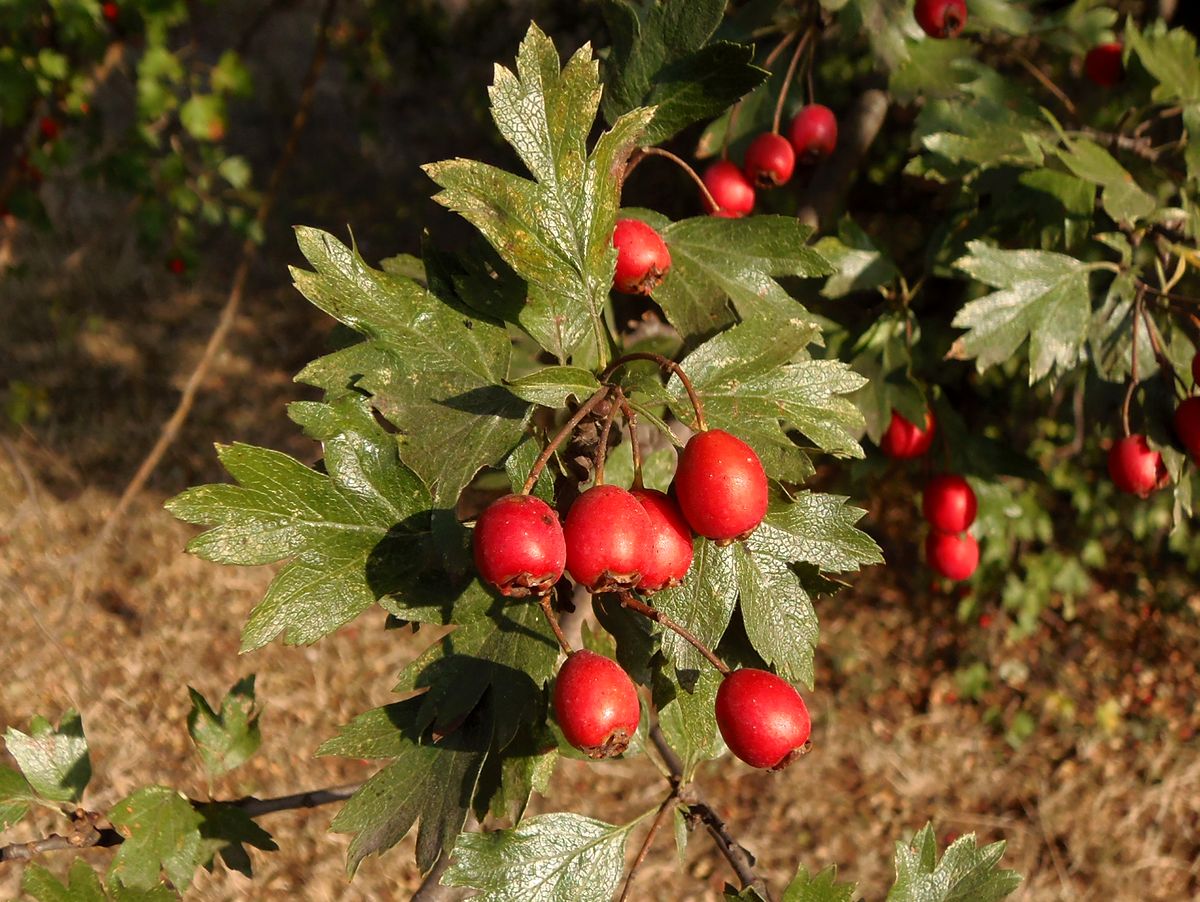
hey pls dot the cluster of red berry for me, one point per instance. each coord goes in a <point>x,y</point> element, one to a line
<point>1137,468</point>
<point>641,541</point>
<point>949,503</point>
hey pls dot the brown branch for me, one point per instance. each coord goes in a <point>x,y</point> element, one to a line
<point>92,829</point>
<point>602,448</point>
<point>635,445</point>
<point>1138,146</point>
<point>670,366</point>
<point>544,601</point>
<point>787,80</point>
<point>1047,83</point>
<point>567,428</point>
<point>170,430</point>
<point>628,601</point>
<point>827,189</point>
<point>655,826</point>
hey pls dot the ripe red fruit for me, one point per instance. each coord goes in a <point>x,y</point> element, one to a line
<point>1136,468</point>
<point>949,503</point>
<point>49,128</point>
<point>770,160</point>
<point>608,533</point>
<point>1187,424</point>
<point>110,11</point>
<point>762,718</point>
<point>730,189</point>
<point>941,18</point>
<point>904,440</point>
<point>814,133</point>
<point>721,486</point>
<point>177,266</point>
<point>642,257</point>
<point>519,546</point>
<point>954,555</point>
<point>669,555</point>
<point>1103,65</point>
<point>596,704</point>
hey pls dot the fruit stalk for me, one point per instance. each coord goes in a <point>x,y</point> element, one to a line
<point>568,427</point>
<point>678,161</point>
<point>787,80</point>
<point>602,450</point>
<point>635,446</point>
<point>628,601</point>
<point>670,366</point>
<point>548,610</point>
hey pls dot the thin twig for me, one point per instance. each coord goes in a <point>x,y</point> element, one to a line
<point>787,80</point>
<point>92,829</point>
<point>683,632</point>
<point>170,430</point>
<point>682,164</point>
<point>655,826</point>
<point>671,366</point>
<point>737,107</point>
<point>548,610</point>
<point>602,449</point>
<point>1047,83</point>
<point>1133,366</point>
<point>635,445</point>
<point>567,428</point>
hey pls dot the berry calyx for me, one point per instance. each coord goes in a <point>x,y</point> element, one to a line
<point>608,533</point>
<point>941,18</point>
<point>721,486</point>
<point>642,257</point>
<point>1135,467</point>
<point>762,718</point>
<point>596,704</point>
<point>953,555</point>
<point>904,440</point>
<point>949,503</point>
<point>770,160</point>
<point>519,546</point>
<point>1187,424</point>
<point>730,189</point>
<point>669,555</point>
<point>1103,65</point>
<point>813,133</point>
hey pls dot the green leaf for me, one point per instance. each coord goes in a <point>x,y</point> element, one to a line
<point>966,873</point>
<point>555,231</point>
<point>934,69</point>
<point>83,885</point>
<point>432,781</point>
<point>777,610</point>
<point>228,739</point>
<point>15,795</point>
<point>1123,199</point>
<point>689,721</point>
<point>559,857</point>
<point>54,760</point>
<point>1111,334</point>
<point>823,887</point>
<point>1043,298</point>
<point>1170,56</point>
<point>519,465</point>
<point>551,386</point>
<point>715,261</point>
<point>703,603</point>
<point>817,529</point>
<point>432,366</point>
<point>227,830</point>
<point>858,264</point>
<point>162,833</point>
<point>330,524</point>
<point>508,781</point>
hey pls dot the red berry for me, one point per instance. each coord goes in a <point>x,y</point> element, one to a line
<point>904,440</point>
<point>110,11</point>
<point>177,266</point>
<point>941,18</point>
<point>721,486</point>
<point>669,555</point>
<point>949,503</point>
<point>730,189</point>
<point>814,133</point>
<point>519,545</point>
<point>953,555</point>
<point>770,160</point>
<point>642,257</point>
<point>1187,424</point>
<point>762,718</point>
<point>596,704</point>
<point>1134,467</point>
<point>49,128</point>
<point>1103,65</point>
<point>608,534</point>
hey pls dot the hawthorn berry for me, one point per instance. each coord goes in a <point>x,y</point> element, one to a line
<point>904,440</point>
<point>762,718</point>
<point>1187,424</point>
<point>1135,467</point>
<point>949,503</point>
<point>770,160</point>
<point>49,128</point>
<point>730,189</point>
<point>642,257</point>
<point>596,704</point>
<point>721,486</point>
<point>110,11</point>
<point>941,18</point>
<point>608,535</point>
<point>177,266</point>
<point>519,546</point>
<point>1103,65</point>
<point>953,555</point>
<point>814,133</point>
<point>669,555</point>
